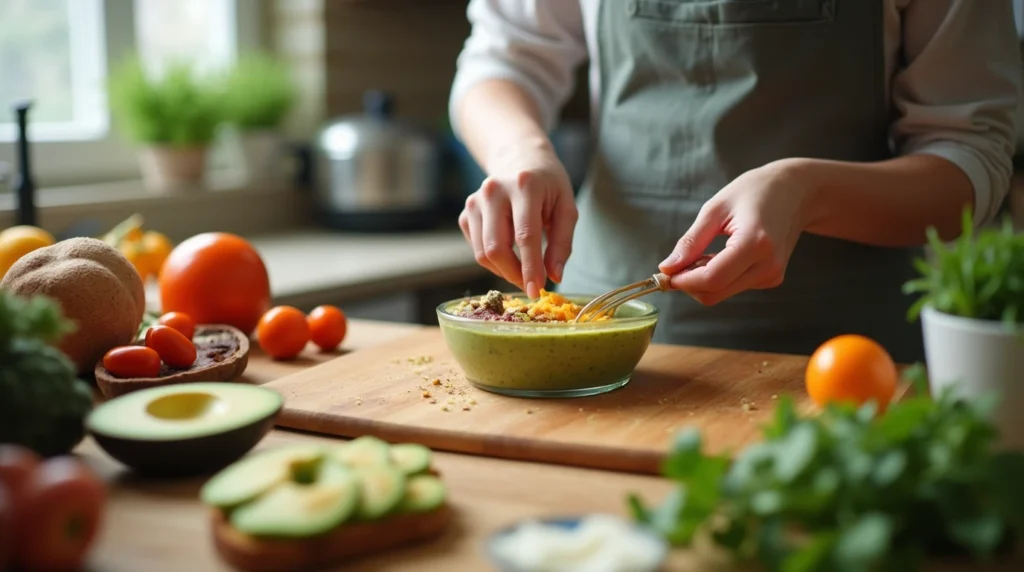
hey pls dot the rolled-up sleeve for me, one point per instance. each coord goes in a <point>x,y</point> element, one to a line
<point>535,43</point>
<point>958,91</point>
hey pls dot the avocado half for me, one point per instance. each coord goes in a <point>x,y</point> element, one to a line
<point>184,430</point>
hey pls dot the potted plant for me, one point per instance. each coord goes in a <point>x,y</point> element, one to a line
<point>972,314</point>
<point>259,93</point>
<point>173,118</point>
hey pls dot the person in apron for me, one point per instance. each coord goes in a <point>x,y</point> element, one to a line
<point>808,144</point>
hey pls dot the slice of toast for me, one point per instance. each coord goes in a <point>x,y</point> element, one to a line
<point>349,541</point>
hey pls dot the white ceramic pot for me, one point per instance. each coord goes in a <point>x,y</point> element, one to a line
<point>976,357</point>
<point>172,168</point>
<point>261,155</point>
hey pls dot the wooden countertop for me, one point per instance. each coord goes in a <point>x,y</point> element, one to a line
<point>156,526</point>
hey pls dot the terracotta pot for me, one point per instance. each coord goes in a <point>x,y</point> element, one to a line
<point>261,155</point>
<point>168,168</point>
<point>977,357</point>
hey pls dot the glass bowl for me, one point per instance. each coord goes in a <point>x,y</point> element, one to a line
<point>549,359</point>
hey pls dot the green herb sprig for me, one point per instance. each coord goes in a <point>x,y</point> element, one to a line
<point>847,490</point>
<point>979,275</point>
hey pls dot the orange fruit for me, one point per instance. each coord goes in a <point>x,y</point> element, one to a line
<point>17,241</point>
<point>327,327</point>
<point>216,278</point>
<point>851,369</point>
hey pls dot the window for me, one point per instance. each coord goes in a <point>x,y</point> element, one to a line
<point>57,53</point>
<point>54,47</point>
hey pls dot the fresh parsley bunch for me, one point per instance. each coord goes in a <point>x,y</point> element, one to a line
<point>979,275</point>
<point>847,490</point>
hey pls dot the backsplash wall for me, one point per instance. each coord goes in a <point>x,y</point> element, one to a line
<point>340,48</point>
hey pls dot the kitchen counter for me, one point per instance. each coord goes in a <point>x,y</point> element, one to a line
<point>161,526</point>
<point>309,267</point>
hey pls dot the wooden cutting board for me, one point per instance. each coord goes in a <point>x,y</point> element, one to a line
<point>389,391</point>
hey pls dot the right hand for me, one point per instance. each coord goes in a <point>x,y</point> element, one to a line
<point>527,196</point>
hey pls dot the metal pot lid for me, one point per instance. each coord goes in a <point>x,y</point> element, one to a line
<point>375,128</point>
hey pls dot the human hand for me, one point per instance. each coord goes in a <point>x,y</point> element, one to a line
<point>763,211</point>
<point>527,196</point>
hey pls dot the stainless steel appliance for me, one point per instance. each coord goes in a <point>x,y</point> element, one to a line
<point>372,172</point>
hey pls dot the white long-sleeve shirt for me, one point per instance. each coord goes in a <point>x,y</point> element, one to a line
<point>953,72</point>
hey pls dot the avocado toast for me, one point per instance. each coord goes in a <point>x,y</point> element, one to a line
<point>312,505</point>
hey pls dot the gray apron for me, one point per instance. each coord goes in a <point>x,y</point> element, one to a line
<point>695,93</point>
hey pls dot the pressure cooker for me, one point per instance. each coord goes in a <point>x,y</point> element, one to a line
<point>372,172</point>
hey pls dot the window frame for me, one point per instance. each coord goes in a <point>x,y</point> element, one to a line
<point>110,157</point>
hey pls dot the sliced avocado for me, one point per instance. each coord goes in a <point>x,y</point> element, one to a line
<point>320,496</point>
<point>256,474</point>
<point>381,488</point>
<point>184,429</point>
<point>411,458</point>
<point>365,451</point>
<point>423,493</point>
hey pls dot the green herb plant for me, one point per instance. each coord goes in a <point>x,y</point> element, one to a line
<point>979,275</point>
<point>42,402</point>
<point>259,92</point>
<point>849,490</point>
<point>178,108</point>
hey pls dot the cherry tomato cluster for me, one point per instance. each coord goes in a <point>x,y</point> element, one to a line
<point>284,331</point>
<point>169,342</point>
<point>50,510</point>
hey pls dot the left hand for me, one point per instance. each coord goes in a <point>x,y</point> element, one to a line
<point>763,211</point>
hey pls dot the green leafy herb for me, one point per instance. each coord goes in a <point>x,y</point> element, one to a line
<point>42,403</point>
<point>178,108</point>
<point>849,490</point>
<point>979,275</point>
<point>259,92</point>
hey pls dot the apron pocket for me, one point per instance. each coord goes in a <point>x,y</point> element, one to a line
<point>735,12</point>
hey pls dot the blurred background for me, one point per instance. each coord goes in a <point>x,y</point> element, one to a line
<point>316,128</point>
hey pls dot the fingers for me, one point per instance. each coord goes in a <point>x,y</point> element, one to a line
<point>699,236</point>
<point>526,219</point>
<point>472,229</point>
<point>497,233</point>
<point>560,232</point>
<point>750,279</point>
<point>721,271</point>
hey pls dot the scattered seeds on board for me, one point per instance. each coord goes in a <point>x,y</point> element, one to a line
<point>444,408</point>
<point>529,411</point>
<point>472,402</point>
<point>433,401</point>
<point>426,394</point>
<point>775,396</point>
<point>436,381</point>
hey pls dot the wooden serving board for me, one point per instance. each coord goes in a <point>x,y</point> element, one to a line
<point>389,391</point>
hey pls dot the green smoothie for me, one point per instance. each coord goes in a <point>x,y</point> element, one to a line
<point>562,358</point>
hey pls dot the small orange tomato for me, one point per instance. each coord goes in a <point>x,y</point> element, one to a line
<point>132,361</point>
<point>283,332</point>
<point>327,327</point>
<point>179,321</point>
<point>851,369</point>
<point>64,503</point>
<point>174,349</point>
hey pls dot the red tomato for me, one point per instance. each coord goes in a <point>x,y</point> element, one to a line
<point>16,466</point>
<point>327,327</point>
<point>7,520</point>
<point>132,361</point>
<point>283,332</point>
<point>175,349</point>
<point>179,321</point>
<point>216,278</point>
<point>63,503</point>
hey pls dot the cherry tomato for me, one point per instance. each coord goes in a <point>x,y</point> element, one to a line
<point>132,361</point>
<point>175,349</point>
<point>7,520</point>
<point>327,327</point>
<point>283,332</point>
<point>64,503</point>
<point>179,321</point>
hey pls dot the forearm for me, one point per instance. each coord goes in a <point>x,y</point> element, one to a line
<point>496,117</point>
<point>886,203</point>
